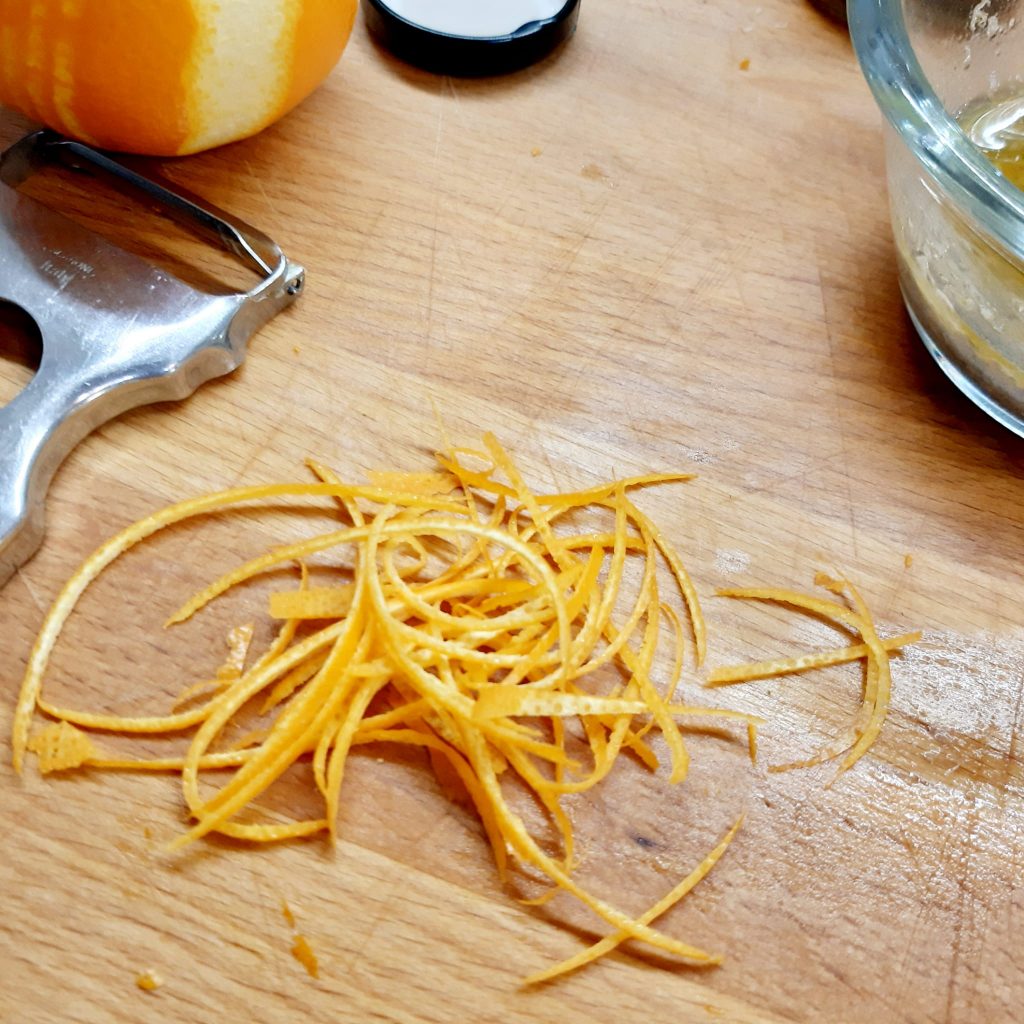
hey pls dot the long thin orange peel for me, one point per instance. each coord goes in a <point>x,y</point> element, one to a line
<point>878,675</point>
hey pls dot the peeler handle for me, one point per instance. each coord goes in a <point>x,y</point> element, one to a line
<point>35,434</point>
<point>41,426</point>
<point>21,519</point>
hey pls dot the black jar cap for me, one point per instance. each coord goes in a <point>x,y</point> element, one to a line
<point>468,56</point>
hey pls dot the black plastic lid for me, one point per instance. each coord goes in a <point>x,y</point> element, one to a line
<point>466,55</point>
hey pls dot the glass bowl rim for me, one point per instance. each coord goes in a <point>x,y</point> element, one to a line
<point>910,104</point>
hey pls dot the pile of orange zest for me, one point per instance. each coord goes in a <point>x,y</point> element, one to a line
<point>469,617</point>
<point>875,651</point>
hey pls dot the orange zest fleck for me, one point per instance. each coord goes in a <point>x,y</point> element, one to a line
<point>303,952</point>
<point>148,981</point>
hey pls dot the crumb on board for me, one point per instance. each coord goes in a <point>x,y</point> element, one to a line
<point>908,561</point>
<point>745,64</point>
<point>303,952</point>
<point>148,981</point>
<point>238,640</point>
<point>288,915</point>
<point>822,579</point>
<point>536,151</point>
<point>296,349</point>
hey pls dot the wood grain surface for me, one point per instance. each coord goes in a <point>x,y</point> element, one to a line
<point>635,256</point>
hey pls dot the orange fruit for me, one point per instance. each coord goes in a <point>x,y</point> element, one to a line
<point>166,77</point>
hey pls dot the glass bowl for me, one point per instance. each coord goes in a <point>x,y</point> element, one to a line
<point>949,77</point>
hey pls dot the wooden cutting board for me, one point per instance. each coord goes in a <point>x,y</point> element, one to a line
<point>637,256</point>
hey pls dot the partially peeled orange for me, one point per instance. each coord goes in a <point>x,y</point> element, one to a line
<point>166,77</point>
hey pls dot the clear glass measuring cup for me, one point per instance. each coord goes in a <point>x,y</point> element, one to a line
<point>949,77</point>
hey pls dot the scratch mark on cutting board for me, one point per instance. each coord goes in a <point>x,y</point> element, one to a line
<point>963,930</point>
<point>584,235</point>
<point>576,248</point>
<point>726,266</point>
<point>258,179</point>
<point>839,416</point>
<point>652,284</point>
<point>436,215</point>
<point>360,964</point>
<point>1011,750</point>
<point>266,441</point>
<point>552,472</point>
<point>30,590</point>
<point>379,915</point>
<point>449,85</point>
<point>927,903</point>
<point>900,578</point>
<point>783,482</point>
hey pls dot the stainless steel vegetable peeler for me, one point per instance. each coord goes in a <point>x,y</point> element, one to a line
<point>118,332</point>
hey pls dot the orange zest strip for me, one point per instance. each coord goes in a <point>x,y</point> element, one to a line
<point>878,689</point>
<point>605,946</point>
<point>804,662</point>
<point>315,603</point>
<point>499,700</point>
<point>878,677</point>
<point>686,587</point>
